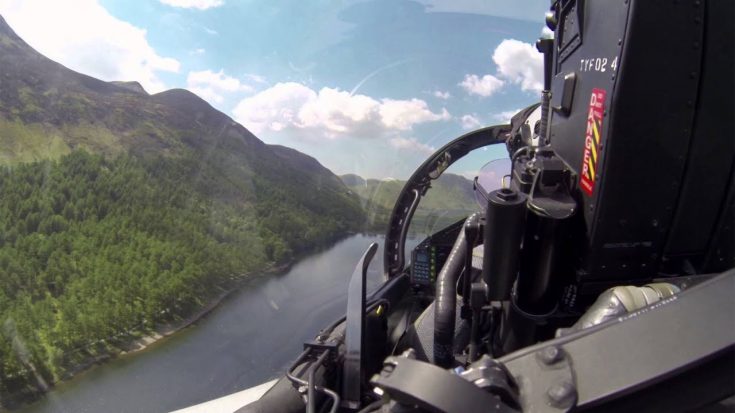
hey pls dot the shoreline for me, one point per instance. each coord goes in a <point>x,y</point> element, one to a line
<point>148,339</point>
<point>165,330</point>
<point>159,333</point>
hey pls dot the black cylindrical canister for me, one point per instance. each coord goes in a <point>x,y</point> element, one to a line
<point>504,220</point>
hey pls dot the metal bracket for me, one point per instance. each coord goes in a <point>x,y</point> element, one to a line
<point>547,381</point>
<point>433,389</point>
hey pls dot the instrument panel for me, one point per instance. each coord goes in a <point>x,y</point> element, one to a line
<point>428,258</point>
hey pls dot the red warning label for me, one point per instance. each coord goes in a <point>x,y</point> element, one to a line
<point>592,141</point>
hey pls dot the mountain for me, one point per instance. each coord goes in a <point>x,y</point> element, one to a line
<point>121,211</point>
<point>352,180</point>
<point>449,192</point>
<point>450,197</point>
<point>132,86</point>
<point>47,111</point>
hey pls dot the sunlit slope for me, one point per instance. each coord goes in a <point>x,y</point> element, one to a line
<point>451,196</point>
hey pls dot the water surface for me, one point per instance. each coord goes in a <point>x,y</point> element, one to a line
<point>247,340</point>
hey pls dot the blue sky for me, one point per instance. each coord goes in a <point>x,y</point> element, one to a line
<point>367,87</point>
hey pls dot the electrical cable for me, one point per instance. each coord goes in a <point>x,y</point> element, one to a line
<point>305,383</point>
<point>374,406</point>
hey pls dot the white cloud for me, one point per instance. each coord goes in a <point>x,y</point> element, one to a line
<point>193,4</point>
<point>441,95</point>
<point>482,86</point>
<point>86,38</point>
<point>469,122</point>
<point>403,114</point>
<point>199,51</point>
<point>517,63</point>
<point>210,31</point>
<point>212,85</point>
<point>331,113</point>
<point>255,78</point>
<point>273,108</point>
<point>520,63</point>
<point>411,144</point>
<point>505,115</point>
<point>547,33</point>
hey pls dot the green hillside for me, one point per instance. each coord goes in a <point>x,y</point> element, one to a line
<point>450,198</point>
<point>121,211</point>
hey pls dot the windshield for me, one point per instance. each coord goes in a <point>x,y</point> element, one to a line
<point>186,186</point>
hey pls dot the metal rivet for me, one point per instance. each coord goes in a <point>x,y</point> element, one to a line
<point>562,394</point>
<point>550,355</point>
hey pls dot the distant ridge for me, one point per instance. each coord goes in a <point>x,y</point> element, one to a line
<point>352,180</point>
<point>132,85</point>
<point>449,192</point>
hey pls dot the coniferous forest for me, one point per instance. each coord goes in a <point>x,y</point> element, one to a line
<point>94,251</point>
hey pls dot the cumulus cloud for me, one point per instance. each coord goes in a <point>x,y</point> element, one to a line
<point>411,145</point>
<point>193,4</point>
<point>520,63</point>
<point>403,114</point>
<point>441,95</point>
<point>331,113</point>
<point>469,122</point>
<point>483,86</point>
<point>212,85</point>
<point>517,63</point>
<point>505,115</point>
<point>88,39</point>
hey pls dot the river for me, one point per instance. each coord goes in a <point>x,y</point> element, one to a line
<point>249,338</point>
